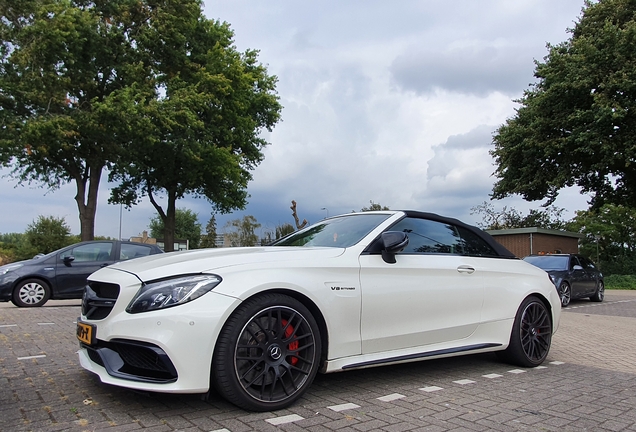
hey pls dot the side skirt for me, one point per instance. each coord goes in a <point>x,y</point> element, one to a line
<point>448,351</point>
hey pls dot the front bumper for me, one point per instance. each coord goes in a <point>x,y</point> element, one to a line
<point>168,350</point>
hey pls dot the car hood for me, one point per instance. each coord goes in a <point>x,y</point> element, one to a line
<point>211,260</point>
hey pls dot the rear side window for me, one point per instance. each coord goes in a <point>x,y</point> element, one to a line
<point>129,251</point>
<point>427,236</point>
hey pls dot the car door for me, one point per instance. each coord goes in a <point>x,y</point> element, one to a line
<point>74,265</point>
<point>579,278</point>
<point>591,275</point>
<point>431,294</point>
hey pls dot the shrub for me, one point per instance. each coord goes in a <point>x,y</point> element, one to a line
<point>622,282</point>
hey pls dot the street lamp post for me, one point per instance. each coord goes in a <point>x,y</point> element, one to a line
<point>327,210</point>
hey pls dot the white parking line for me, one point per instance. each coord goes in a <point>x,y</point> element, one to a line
<point>343,407</point>
<point>391,397</point>
<point>464,382</point>
<point>430,389</point>
<point>31,357</point>
<point>284,419</point>
<point>8,325</point>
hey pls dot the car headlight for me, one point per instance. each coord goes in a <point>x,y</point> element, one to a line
<point>171,292</point>
<point>9,267</point>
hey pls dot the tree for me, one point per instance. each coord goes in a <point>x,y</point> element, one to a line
<point>67,68</point>
<point>509,218</point>
<point>242,232</point>
<point>283,230</point>
<point>200,107</point>
<point>44,235</point>
<point>610,237</point>
<point>374,207</point>
<point>186,227</point>
<point>299,225</point>
<point>209,239</point>
<point>577,124</point>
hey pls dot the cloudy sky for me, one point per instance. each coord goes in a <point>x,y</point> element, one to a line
<point>391,102</point>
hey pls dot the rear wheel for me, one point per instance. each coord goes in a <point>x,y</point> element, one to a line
<point>31,293</point>
<point>599,295</point>
<point>565,293</point>
<point>267,354</point>
<point>531,334</point>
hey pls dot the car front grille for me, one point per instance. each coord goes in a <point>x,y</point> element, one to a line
<point>132,360</point>
<point>99,299</point>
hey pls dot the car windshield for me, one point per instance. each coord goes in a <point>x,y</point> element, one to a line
<point>341,232</point>
<point>548,262</point>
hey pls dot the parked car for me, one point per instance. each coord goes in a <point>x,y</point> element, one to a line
<point>62,274</point>
<point>574,276</point>
<point>349,292</point>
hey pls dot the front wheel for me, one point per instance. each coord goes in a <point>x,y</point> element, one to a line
<point>531,334</point>
<point>599,295</point>
<point>31,293</point>
<point>267,354</point>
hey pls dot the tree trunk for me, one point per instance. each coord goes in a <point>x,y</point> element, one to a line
<point>169,223</point>
<point>87,205</point>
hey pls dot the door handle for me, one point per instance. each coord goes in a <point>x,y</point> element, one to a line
<point>465,269</point>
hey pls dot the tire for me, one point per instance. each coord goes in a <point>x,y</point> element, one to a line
<point>531,334</point>
<point>599,295</point>
<point>565,293</point>
<point>267,354</point>
<point>31,293</point>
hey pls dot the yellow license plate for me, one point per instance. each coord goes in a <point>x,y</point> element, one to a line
<point>86,333</point>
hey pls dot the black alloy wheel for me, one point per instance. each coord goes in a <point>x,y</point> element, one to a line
<point>531,334</point>
<point>565,293</point>
<point>268,353</point>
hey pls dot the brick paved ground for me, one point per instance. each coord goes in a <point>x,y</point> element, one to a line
<point>588,383</point>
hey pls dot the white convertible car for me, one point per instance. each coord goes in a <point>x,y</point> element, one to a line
<point>352,291</point>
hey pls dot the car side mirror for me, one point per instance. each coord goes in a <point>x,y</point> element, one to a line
<point>68,259</point>
<point>393,242</point>
<point>577,267</point>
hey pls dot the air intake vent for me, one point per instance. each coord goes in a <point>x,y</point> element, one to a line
<point>99,299</point>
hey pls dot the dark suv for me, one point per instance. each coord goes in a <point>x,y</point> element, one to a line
<point>62,274</point>
<point>574,276</point>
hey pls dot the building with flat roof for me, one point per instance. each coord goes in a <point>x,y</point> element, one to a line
<point>534,241</point>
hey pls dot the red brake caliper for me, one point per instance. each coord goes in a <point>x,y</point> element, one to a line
<point>293,346</point>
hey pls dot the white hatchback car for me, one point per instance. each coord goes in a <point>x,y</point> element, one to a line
<point>352,291</point>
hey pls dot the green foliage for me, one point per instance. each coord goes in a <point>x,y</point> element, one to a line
<point>508,218</point>
<point>44,235</point>
<point>621,282</point>
<point>67,68</point>
<point>576,125</point>
<point>195,115</point>
<point>374,207</point>
<point>242,232</point>
<point>186,227</point>
<point>610,237</point>
<point>9,244</point>
<point>209,239</point>
<point>283,230</point>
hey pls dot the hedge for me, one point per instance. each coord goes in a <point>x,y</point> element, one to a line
<point>620,282</point>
